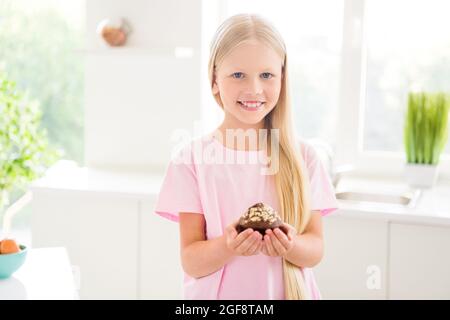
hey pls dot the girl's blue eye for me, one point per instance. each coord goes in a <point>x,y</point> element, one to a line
<point>237,73</point>
<point>240,75</point>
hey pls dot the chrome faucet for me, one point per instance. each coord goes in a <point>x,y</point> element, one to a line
<point>338,171</point>
<point>335,171</point>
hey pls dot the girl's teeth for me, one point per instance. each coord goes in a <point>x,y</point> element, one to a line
<point>251,105</point>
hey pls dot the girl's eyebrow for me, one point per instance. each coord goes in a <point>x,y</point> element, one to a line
<point>263,70</point>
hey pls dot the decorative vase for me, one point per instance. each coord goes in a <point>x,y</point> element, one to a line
<point>421,175</point>
<point>114,31</point>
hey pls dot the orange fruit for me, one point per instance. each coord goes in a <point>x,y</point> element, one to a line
<point>8,246</point>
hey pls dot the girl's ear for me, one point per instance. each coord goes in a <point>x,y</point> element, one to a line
<point>215,87</point>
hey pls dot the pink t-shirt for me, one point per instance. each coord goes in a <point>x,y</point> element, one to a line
<point>208,178</point>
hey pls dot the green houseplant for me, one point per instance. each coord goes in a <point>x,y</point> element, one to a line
<point>425,136</point>
<point>24,150</point>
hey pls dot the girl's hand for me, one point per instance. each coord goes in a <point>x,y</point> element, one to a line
<point>246,243</point>
<point>277,243</point>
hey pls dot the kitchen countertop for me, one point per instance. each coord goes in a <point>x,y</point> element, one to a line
<point>67,176</point>
<point>433,206</point>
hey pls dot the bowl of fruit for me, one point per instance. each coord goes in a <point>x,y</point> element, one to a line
<point>12,257</point>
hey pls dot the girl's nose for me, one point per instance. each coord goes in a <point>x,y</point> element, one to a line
<point>255,86</point>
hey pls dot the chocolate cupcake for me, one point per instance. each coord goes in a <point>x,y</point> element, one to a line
<point>259,217</point>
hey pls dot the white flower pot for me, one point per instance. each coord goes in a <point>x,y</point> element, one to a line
<point>421,175</point>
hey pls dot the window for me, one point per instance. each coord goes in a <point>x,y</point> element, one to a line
<point>408,48</point>
<point>38,42</point>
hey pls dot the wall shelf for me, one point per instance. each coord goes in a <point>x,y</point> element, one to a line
<point>174,52</point>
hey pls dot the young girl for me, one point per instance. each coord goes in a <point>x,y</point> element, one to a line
<point>249,80</point>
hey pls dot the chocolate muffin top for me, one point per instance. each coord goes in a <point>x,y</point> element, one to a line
<point>259,217</point>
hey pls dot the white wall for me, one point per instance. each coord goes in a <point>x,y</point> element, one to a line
<point>137,95</point>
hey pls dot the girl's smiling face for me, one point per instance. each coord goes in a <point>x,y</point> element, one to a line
<point>249,82</point>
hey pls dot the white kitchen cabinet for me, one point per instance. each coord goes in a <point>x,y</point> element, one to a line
<point>106,222</point>
<point>160,265</point>
<point>354,264</point>
<point>99,231</point>
<point>419,262</point>
<point>122,248</point>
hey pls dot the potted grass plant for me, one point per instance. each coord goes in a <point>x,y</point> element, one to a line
<point>425,136</point>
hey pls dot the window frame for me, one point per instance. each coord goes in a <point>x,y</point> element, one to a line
<point>352,94</point>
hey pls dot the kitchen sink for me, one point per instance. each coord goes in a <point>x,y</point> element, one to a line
<point>406,199</point>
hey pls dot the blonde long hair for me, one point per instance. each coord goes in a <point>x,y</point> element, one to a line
<point>291,181</point>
